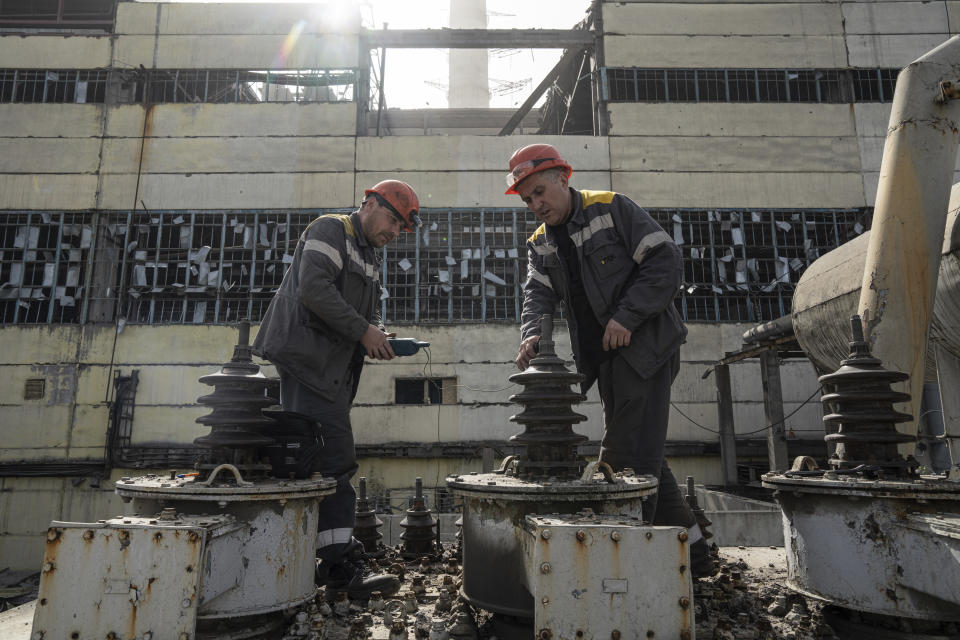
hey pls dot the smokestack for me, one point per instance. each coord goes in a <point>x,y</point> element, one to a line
<point>468,67</point>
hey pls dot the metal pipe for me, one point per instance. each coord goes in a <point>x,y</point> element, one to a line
<point>919,155</point>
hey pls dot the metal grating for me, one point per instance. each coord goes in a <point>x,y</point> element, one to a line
<point>834,86</point>
<point>159,86</point>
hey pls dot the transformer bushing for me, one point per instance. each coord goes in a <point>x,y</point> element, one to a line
<point>419,527</point>
<point>239,396</point>
<point>869,534</point>
<point>860,401</point>
<point>544,481</point>
<point>202,552</point>
<point>547,416</point>
<point>367,525</point>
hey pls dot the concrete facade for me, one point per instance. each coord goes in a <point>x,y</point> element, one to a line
<point>200,156</point>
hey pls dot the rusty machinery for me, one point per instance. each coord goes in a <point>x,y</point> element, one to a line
<point>875,533</point>
<point>548,541</point>
<point>218,552</point>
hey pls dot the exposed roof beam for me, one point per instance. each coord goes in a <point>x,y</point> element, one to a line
<point>548,80</point>
<point>479,38</point>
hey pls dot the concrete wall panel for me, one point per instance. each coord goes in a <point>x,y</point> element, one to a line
<point>739,154</point>
<point>953,16</point>
<point>891,50</point>
<point>49,155</point>
<point>54,52</point>
<point>468,188</point>
<point>240,120</point>
<point>473,153</point>
<point>894,17</point>
<point>289,155</point>
<point>230,191</point>
<point>50,120</point>
<point>263,18</point>
<point>782,51</point>
<point>787,190</point>
<point>67,192</point>
<point>722,19</point>
<point>328,51</point>
<point>30,345</point>
<point>713,119</point>
<point>872,119</point>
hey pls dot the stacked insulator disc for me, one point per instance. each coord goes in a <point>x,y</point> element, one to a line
<point>419,527</point>
<point>240,393</point>
<point>860,401</point>
<point>367,525</point>
<point>547,415</point>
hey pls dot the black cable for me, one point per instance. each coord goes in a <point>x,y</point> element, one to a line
<point>749,433</point>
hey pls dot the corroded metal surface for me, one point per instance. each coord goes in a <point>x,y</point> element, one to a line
<point>419,527</point>
<point>583,572</point>
<point>122,578</point>
<point>224,489</point>
<point>867,544</point>
<point>495,505</point>
<point>240,393</point>
<point>861,401</point>
<point>547,415</point>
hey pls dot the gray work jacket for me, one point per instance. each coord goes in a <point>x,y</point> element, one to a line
<point>328,298</point>
<point>631,271</point>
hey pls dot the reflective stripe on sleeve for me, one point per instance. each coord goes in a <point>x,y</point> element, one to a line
<point>648,242</point>
<point>600,222</point>
<point>325,249</point>
<point>533,274</point>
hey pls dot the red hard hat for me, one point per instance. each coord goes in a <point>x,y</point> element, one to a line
<point>530,159</point>
<point>402,199</point>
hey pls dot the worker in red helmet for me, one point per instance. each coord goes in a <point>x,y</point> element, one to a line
<point>617,273</point>
<point>323,320</point>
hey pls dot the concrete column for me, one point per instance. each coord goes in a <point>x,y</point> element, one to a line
<point>728,441</point>
<point>469,77</point>
<point>773,410</point>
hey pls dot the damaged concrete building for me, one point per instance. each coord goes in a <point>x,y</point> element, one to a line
<point>161,159</point>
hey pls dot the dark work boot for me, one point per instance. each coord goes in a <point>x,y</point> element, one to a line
<point>350,574</point>
<point>702,562</point>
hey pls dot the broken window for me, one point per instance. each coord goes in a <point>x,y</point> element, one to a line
<point>425,391</point>
<point>462,265</point>
<point>73,14</point>
<point>159,86</point>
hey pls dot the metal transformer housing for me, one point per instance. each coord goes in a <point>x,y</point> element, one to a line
<point>890,547</point>
<point>276,552</point>
<point>495,506</point>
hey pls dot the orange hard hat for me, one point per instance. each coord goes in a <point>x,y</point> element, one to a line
<point>530,159</point>
<point>399,198</point>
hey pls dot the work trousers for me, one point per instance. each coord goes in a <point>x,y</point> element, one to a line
<point>635,415</point>
<point>338,460</point>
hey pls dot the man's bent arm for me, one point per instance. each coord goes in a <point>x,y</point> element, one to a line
<point>322,260</point>
<point>659,272</point>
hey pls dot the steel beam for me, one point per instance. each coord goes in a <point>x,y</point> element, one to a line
<point>479,38</point>
<point>773,410</point>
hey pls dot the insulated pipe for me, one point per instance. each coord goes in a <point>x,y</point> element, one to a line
<point>903,256</point>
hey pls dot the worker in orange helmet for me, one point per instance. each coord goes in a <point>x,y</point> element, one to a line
<point>617,273</point>
<point>323,320</point>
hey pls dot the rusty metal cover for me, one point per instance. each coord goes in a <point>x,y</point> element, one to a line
<point>122,578</point>
<point>595,576</point>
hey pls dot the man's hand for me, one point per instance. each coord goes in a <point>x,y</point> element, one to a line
<point>615,336</point>
<point>375,342</point>
<point>526,352</point>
